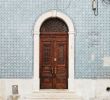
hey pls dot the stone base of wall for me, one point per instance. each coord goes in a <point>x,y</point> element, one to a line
<point>87,89</point>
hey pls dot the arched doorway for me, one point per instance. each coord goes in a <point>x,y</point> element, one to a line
<point>54,54</point>
<point>36,33</point>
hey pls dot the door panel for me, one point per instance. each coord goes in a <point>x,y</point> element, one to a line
<point>53,62</point>
<point>46,64</point>
<point>61,65</point>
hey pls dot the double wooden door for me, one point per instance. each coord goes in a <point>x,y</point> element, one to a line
<point>53,61</point>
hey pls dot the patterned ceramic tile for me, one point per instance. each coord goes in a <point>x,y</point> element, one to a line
<point>17,18</point>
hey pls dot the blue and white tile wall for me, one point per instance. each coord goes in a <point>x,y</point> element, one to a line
<point>17,18</point>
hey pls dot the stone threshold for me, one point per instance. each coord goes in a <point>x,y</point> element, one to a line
<point>52,91</point>
<point>53,94</point>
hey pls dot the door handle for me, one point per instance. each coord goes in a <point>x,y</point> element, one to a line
<point>54,70</point>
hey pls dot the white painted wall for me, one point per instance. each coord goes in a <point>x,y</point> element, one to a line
<point>24,87</point>
<point>86,88</point>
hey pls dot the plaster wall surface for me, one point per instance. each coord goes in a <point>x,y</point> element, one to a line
<point>87,89</point>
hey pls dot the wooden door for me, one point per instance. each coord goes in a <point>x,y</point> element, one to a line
<point>54,61</point>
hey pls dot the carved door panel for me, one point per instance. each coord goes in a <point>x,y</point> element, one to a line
<point>46,77</point>
<point>61,70</point>
<point>53,62</point>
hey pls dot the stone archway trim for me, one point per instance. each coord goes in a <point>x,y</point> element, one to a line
<point>53,13</point>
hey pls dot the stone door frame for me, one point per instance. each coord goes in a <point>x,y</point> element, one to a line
<point>71,33</point>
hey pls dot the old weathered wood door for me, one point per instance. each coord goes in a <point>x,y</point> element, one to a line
<point>54,55</point>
